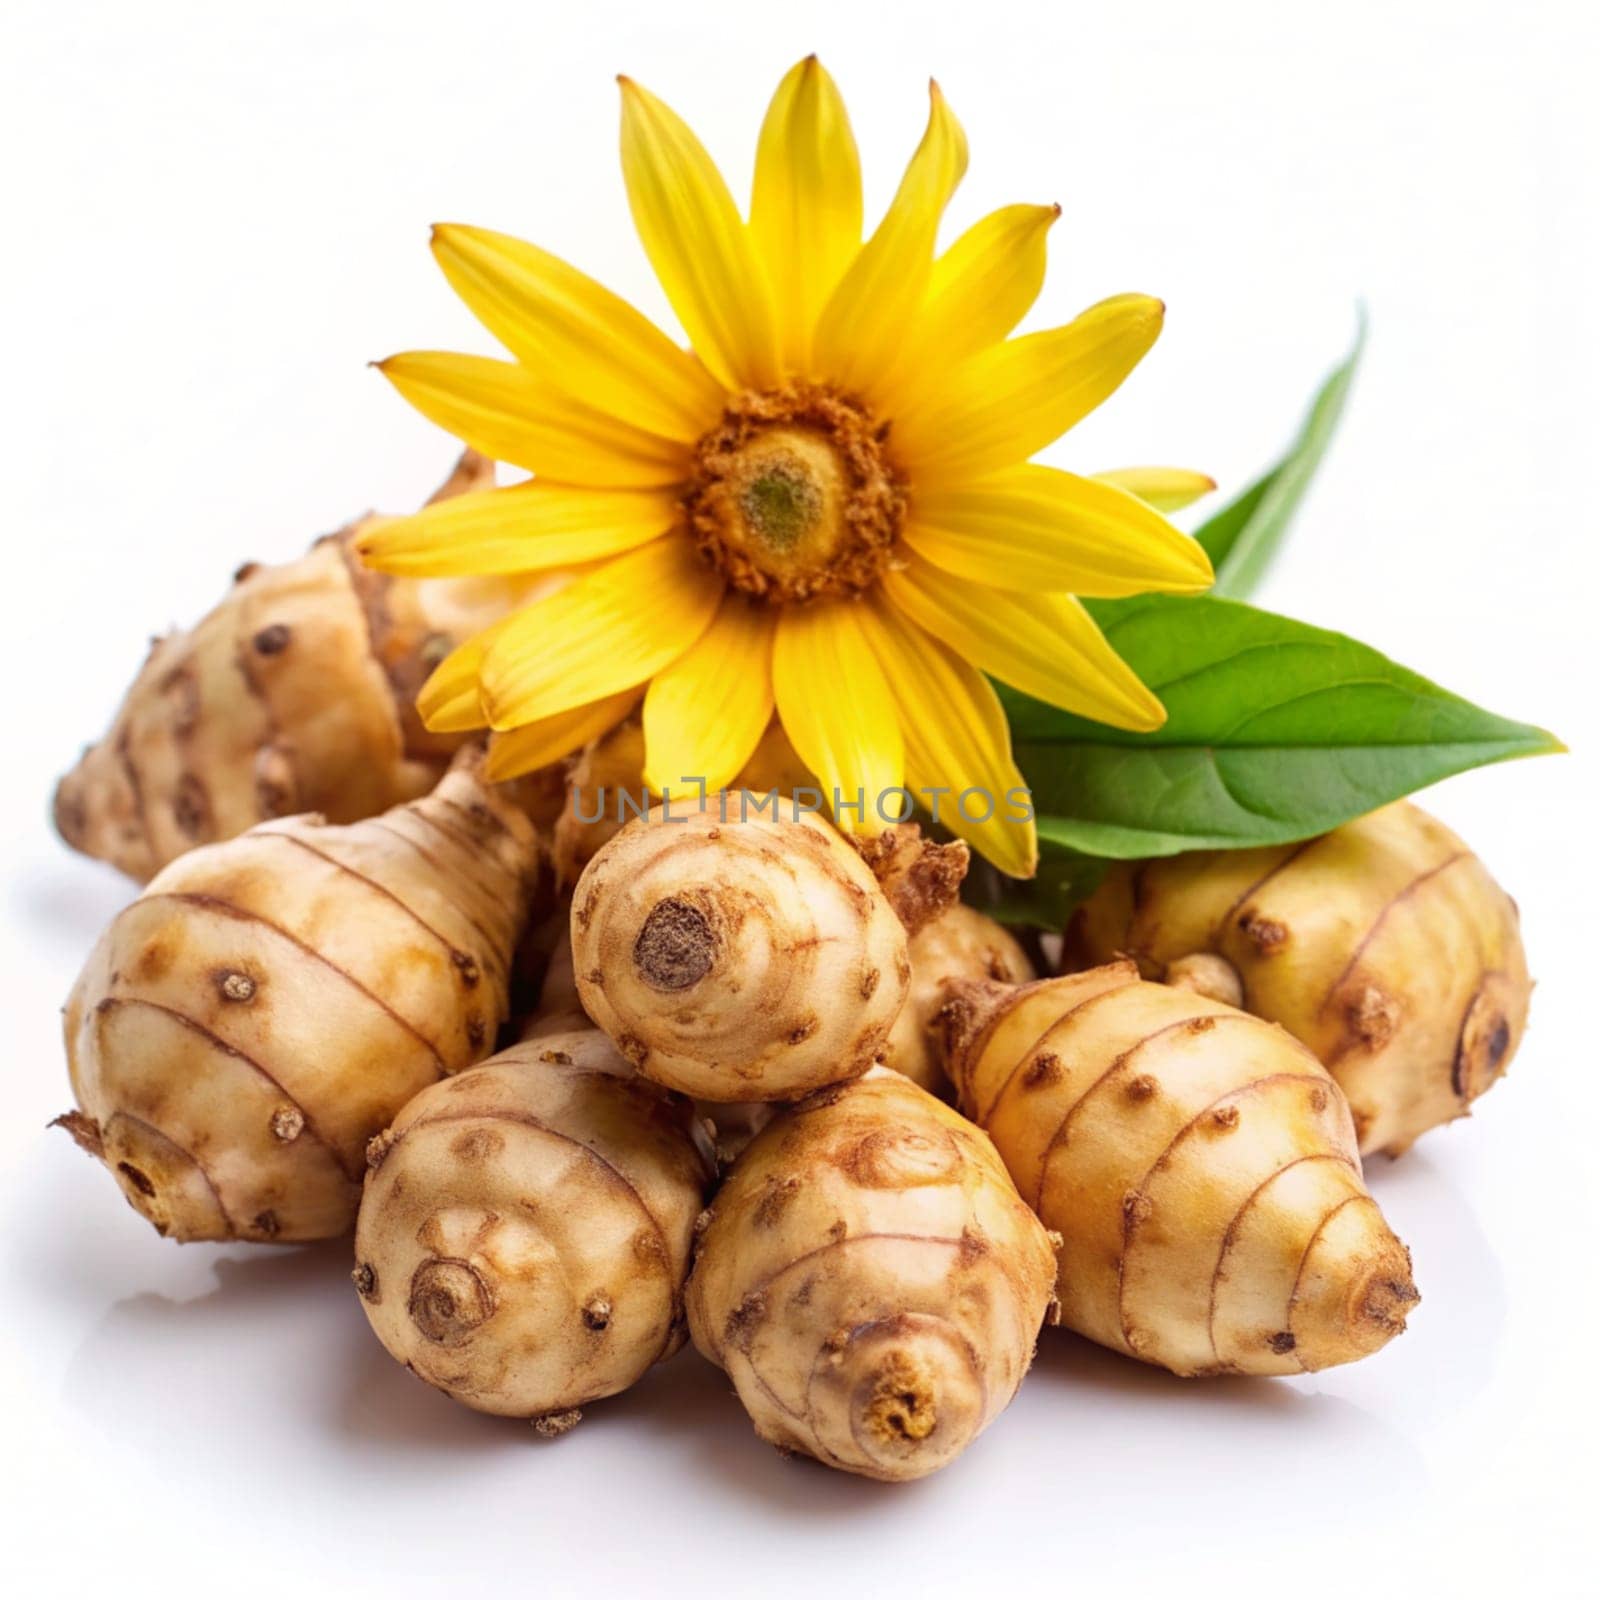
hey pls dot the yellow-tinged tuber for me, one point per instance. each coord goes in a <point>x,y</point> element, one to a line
<point>268,1004</point>
<point>959,943</point>
<point>1384,946</point>
<point>750,958</point>
<point>870,1280</point>
<point>1199,1164</point>
<point>293,694</point>
<point>526,1228</point>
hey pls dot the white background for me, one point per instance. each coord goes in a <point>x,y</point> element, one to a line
<point>214,215</point>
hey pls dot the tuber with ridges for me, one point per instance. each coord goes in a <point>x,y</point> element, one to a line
<point>293,694</point>
<point>269,1003</point>
<point>732,958</point>
<point>526,1227</point>
<point>1199,1164</point>
<point>870,1280</point>
<point>1385,946</point>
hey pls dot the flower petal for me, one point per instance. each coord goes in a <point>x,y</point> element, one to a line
<point>1011,400</point>
<point>451,700</point>
<point>1034,527</point>
<point>504,411</point>
<point>705,714</point>
<point>981,288</point>
<point>519,529</point>
<point>1165,488</point>
<point>805,207</point>
<point>957,741</point>
<point>537,744</point>
<point>559,321</point>
<point>697,242</point>
<point>610,630</point>
<point>1046,645</point>
<point>836,708</point>
<point>863,326</point>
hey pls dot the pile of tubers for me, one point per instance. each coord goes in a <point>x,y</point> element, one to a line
<point>780,1094</point>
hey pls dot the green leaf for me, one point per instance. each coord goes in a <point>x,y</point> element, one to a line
<point>1275,731</point>
<point>1244,536</point>
<point>1064,879</point>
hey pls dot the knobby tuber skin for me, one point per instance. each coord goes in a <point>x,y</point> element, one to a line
<point>1199,1164</point>
<point>1384,946</point>
<point>959,943</point>
<point>293,694</point>
<point>751,959</point>
<point>870,1280</point>
<point>526,1228</point>
<point>268,1004</point>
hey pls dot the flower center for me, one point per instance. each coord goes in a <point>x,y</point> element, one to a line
<point>793,496</point>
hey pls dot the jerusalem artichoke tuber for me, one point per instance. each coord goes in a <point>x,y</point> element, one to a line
<point>870,1280</point>
<point>526,1227</point>
<point>294,694</point>
<point>269,1003</point>
<point>1199,1163</point>
<point>1384,946</point>
<point>746,958</point>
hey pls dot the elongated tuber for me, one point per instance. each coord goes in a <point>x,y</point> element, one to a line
<point>750,958</point>
<point>1384,946</point>
<point>1199,1164</point>
<point>871,1281</point>
<point>294,694</point>
<point>959,943</point>
<point>526,1228</point>
<point>268,1004</point>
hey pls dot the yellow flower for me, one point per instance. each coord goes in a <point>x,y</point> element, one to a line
<point>826,509</point>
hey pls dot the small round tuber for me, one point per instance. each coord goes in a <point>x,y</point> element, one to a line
<point>269,1003</point>
<point>870,1280</point>
<point>526,1227</point>
<point>1384,946</point>
<point>750,958</point>
<point>1199,1164</point>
